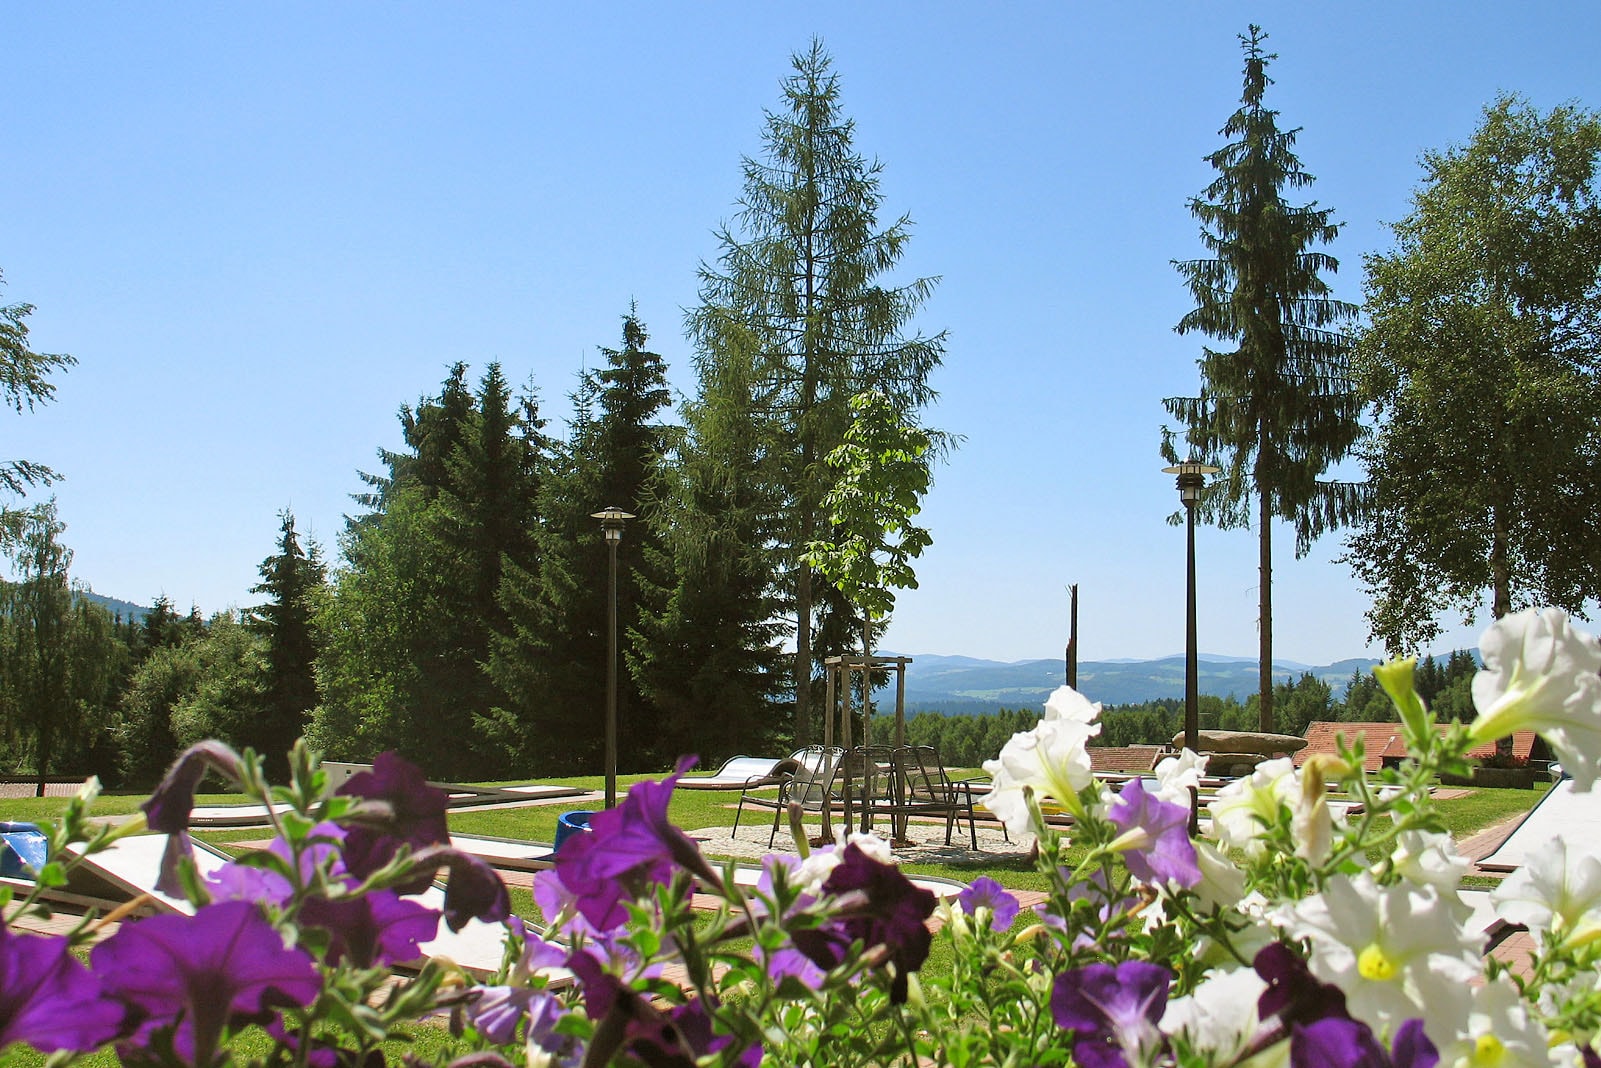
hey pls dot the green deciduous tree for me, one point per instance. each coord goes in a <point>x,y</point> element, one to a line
<point>795,312</point>
<point>1481,356</point>
<point>1279,409</point>
<point>881,473</point>
<point>58,657</point>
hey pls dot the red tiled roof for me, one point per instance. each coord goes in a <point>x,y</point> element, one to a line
<point>1107,758</point>
<point>1383,740</point>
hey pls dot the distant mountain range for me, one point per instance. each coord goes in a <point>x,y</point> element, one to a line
<point>965,685</point>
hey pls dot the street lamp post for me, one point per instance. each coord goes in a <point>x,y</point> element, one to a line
<point>1191,480</point>
<point>612,519</point>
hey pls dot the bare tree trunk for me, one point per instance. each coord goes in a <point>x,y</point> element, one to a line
<point>1264,620</point>
<point>803,657</point>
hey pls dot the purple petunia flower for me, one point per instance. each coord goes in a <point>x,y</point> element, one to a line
<point>168,807</point>
<point>497,1010</point>
<point>1333,1042</point>
<point>380,927</point>
<point>1162,850</point>
<point>235,881</point>
<point>1293,993</point>
<point>475,889</point>
<point>1113,1012</point>
<point>415,817</point>
<point>625,1020</point>
<point>987,893</point>
<point>1322,1032</point>
<point>629,847</point>
<point>882,907</point>
<point>224,965</point>
<point>49,1000</point>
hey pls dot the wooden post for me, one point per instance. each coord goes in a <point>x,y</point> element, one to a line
<point>900,701</point>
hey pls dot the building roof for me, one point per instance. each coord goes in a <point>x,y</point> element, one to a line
<point>1383,741</point>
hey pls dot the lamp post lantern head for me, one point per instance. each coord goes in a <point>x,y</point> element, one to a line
<point>1191,478</point>
<point>612,519</point>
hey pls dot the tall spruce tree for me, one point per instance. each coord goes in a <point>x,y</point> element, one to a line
<point>1279,409</point>
<point>793,312</point>
<point>293,580</point>
<point>554,656</point>
<point>1483,357</point>
<point>706,649</point>
<point>412,616</point>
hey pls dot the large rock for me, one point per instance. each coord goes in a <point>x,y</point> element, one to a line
<point>1244,742</point>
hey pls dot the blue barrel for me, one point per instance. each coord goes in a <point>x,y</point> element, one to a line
<point>22,850</point>
<point>569,824</point>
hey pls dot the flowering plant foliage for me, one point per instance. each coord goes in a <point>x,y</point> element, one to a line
<point>1296,928</point>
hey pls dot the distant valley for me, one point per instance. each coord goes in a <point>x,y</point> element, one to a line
<point>965,685</point>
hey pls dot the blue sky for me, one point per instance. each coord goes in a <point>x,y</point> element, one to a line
<point>262,228</point>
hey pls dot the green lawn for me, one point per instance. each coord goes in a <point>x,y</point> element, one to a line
<point>694,809</point>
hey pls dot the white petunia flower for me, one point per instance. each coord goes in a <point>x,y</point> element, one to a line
<point>1395,951</point>
<point>1558,888</point>
<point>1219,1017</point>
<point>1066,703</point>
<point>1540,674</point>
<point>1499,1033</point>
<point>1429,858</point>
<point>1243,808</point>
<point>1222,882</point>
<point>1175,776</point>
<point>1052,759</point>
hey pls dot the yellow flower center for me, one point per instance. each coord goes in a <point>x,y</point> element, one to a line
<point>1488,1051</point>
<point>1373,963</point>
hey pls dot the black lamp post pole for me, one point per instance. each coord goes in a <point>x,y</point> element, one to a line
<point>1192,671</point>
<point>611,524</point>
<point>1191,480</point>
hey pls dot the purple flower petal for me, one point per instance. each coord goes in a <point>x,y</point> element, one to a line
<point>1170,854</point>
<point>987,893</point>
<point>497,1010</point>
<point>630,847</point>
<point>377,928</point>
<point>1293,993</point>
<point>169,805</point>
<point>1412,1048</point>
<point>1112,1010</point>
<point>890,911</point>
<point>416,818</point>
<point>51,1001</point>
<point>1335,1043</point>
<point>222,966</point>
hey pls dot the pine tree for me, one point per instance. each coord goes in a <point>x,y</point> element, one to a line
<point>1278,410</point>
<point>293,581</point>
<point>552,661</point>
<point>412,618</point>
<point>793,312</point>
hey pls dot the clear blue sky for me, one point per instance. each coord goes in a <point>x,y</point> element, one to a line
<point>262,228</point>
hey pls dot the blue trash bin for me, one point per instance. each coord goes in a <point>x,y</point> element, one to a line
<point>569,824</point>
<point>22,850</point>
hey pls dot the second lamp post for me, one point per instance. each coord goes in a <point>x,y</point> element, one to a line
<point>1191,482</point>
<point>612,519</point>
